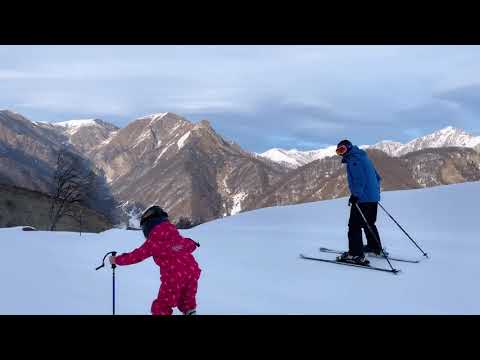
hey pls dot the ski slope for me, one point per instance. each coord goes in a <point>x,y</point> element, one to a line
<point>250,263</point>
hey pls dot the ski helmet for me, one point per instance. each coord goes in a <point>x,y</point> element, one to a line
<point>152,212</point>
<point>343,147</point>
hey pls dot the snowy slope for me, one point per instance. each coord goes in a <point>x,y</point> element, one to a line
<point>250,263</point>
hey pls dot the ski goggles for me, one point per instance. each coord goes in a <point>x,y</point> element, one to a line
<point>342,150</point>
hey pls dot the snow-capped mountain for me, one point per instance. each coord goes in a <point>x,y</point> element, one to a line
<point>188,168</point>
<point>295,158</point>
<point>75,124</point>
<point>447,137</point>
<point>86,134</point>
<point>390,147</point>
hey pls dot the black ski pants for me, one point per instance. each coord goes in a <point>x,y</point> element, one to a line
<point>356,224</point>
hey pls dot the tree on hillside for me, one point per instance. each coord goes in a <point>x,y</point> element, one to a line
<point>73,185</point>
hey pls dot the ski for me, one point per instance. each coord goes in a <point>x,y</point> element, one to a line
<point>350,264</point>
<point>332,251</point>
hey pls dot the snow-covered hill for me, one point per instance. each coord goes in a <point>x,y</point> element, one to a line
<point>251,266</point>
<point>448,136</point>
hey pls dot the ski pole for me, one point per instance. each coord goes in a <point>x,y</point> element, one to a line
<point>113,285</point>
<point>391,217</point>
<point>376,239</point>
<point>113,277</point>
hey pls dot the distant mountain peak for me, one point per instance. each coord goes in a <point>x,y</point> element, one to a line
<point>79,122</point>
<point>14,115</point>
<point>75,127</point>
<point>282,156</point>
<point>447,128</point>
<point>155,116</point>
<point>9,111</point>
<point>203,124</point>
<point>295,158</point>
<point>445,137</point>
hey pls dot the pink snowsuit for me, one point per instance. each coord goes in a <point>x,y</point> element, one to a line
<point>179,272</point>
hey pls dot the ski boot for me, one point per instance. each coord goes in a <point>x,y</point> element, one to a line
<point>191,312</point>
<point>358,260</point>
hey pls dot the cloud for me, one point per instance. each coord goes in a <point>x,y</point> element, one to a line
<point>9,74</point>
<point>280,122</point>
<point>81,103</point>
<point>259,96</point>
<point>466,96</point>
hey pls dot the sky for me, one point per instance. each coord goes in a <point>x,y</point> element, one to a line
<point>261,97</point>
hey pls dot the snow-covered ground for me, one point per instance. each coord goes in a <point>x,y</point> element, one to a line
<point>251,266</point>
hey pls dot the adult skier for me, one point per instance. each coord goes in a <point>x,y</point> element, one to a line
<point>179,272</point>
<point>364,184</point>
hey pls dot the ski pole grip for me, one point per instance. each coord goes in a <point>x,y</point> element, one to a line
<point>114,253</point>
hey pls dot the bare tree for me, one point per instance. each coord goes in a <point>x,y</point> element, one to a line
<point>72,186</point>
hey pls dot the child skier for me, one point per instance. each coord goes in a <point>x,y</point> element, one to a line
<point>179,272</point>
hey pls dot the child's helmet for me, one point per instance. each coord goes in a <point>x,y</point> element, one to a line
<point>152,212</point>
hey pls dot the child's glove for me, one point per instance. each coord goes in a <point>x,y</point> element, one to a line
<point>196,243</point>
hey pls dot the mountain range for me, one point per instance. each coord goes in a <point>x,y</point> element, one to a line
<point>446,137</point>
<point>197,175</point>
<point>29,152</point>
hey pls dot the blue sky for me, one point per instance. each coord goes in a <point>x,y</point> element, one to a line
<point>261,97</point>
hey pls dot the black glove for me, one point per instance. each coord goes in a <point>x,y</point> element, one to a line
<point>196,243</point>
<point>353,200</point>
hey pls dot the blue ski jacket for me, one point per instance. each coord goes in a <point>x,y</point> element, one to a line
<point>363,179</point>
